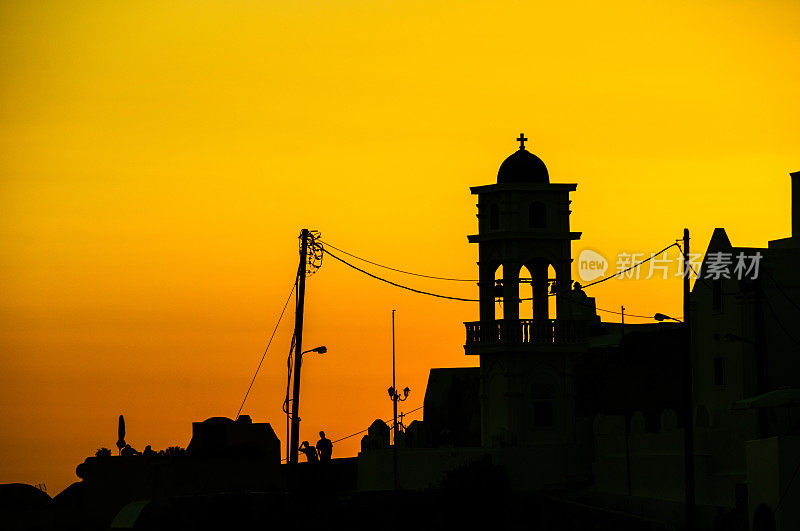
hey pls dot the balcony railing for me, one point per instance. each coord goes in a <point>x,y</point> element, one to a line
<point>526,331</point>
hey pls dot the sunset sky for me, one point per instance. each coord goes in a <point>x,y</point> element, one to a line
<point>159,160</point>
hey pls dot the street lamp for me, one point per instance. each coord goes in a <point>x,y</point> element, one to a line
<point>294,419</point>
<point>394,395</point>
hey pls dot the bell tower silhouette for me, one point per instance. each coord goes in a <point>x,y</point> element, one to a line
<point>526,364</point>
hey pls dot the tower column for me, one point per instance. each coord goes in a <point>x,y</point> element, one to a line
<point>563,289</point>
<point>511,290</point>
<point>540,309</point>
<point>486,292</point>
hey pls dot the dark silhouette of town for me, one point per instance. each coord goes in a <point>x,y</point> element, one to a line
<point>570,422</point>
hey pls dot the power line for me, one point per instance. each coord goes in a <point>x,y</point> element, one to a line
<point>791,301</point>
<point>478,300</point>
<point>328,244</point>
<point>786,490</point>
<point>619,273</point>
<point>595,307</point>
<point>267,349</point>
<point>387,422</point>
<point>626,314</point>
<point>696,272</point>
<point>399,285</point>
<point>775,315</point>
<point>763,293</point>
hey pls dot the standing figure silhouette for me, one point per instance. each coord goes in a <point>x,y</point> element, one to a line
<point>309,451</point>
<point>324,448</point>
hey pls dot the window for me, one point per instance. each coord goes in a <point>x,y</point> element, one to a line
<point>494,218</point>
<point>716,294</point>
<point>719,371</point>
<point>537,215</point>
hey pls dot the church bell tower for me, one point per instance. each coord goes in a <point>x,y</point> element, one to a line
<point>531,321</point>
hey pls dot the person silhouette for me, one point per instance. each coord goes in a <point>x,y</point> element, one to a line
<point>128,451</point>
<point>309,451</point>
<point>577,289</point>
<point>324,447</point>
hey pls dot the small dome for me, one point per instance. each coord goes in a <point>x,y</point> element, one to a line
<point>523,167</point>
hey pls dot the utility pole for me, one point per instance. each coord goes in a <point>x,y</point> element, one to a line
<point>394,386</point>
<point>627,414</point>
<point>298,346</point>
<point>394,408</point>
<point>758,351</point>
<point>687,397</point>
<point>395,396</point>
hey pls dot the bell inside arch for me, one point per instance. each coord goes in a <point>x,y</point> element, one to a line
<point>498,289</point>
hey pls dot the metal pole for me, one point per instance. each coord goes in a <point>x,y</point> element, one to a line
<point>628,417</point>
<point>758,351</point>
<point>688,398</point>
<point>288,434</point>
<point>394,386</point>
<point>628,414</point>
<point>298,346</point>
<point>395,396</point>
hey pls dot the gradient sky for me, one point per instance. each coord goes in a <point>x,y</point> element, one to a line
<point>159,159</point>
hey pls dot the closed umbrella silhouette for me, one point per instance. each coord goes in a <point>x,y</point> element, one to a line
<point>121,433</point>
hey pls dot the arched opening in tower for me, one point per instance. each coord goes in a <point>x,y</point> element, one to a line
<point>540,298</point>
<point>498,293</point>
<point>551,292</point>
<point>525,293</point>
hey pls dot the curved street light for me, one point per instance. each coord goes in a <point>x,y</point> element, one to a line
<point>663,317</point>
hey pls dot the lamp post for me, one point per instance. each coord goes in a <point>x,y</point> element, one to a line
<point>295,424</point>
<point>663,317</point>
<point>395,397</point>
<point>393,394</point>
<point>688,399</point>
<point>688,444</point>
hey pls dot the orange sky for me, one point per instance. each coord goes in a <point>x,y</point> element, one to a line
<point>158,162</point>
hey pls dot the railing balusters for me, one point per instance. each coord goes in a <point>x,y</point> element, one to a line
<point>525,331</point>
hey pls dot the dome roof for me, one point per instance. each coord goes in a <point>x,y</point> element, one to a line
<point>523,167</point>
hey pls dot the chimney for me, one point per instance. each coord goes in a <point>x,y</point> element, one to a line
<point>795,204</point>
